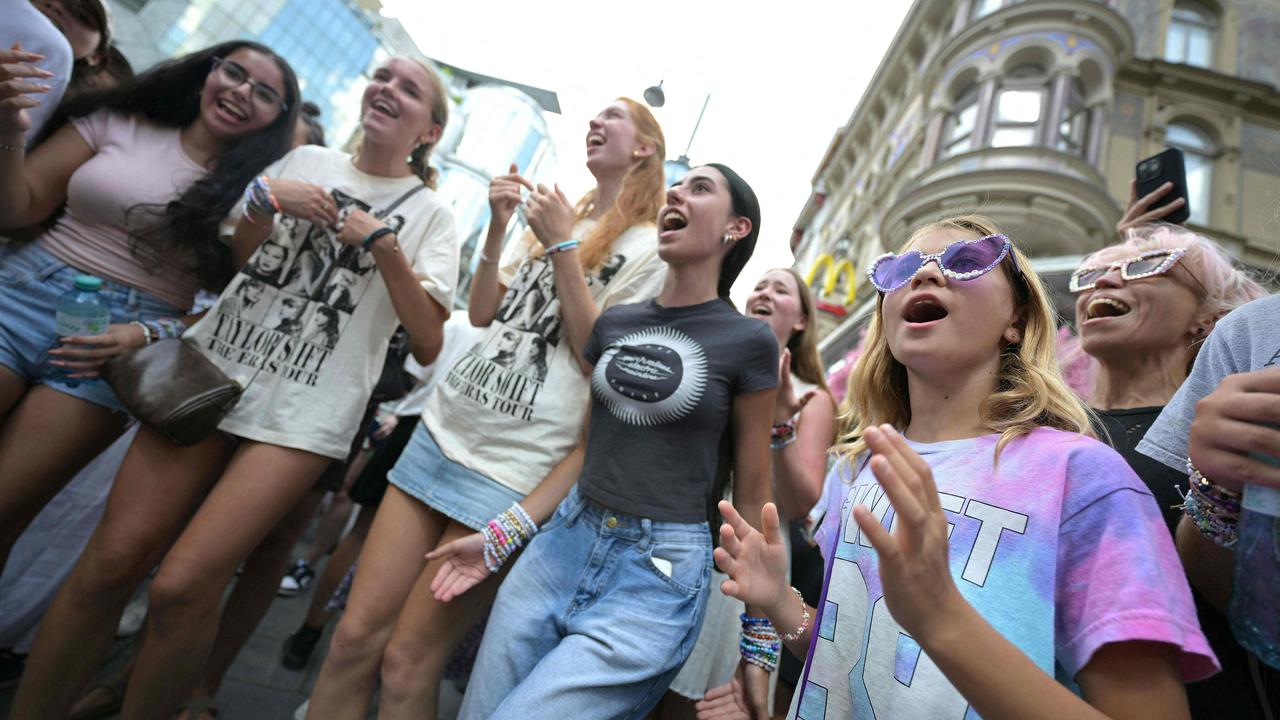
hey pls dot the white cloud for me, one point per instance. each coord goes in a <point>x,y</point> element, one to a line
<point>783,77</point>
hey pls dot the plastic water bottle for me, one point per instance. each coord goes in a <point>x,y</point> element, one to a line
<point>81,311</point>
<point>1255,600</point>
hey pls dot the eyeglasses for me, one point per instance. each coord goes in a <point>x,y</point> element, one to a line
<point>1152,262</point>
<point>961,260</point>
<point>234,74</point>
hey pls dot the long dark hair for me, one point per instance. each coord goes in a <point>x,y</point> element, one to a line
<point>169,95</point>
<point>745,205</point>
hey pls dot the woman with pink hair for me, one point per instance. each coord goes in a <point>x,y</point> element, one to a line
<point>1143,307</point>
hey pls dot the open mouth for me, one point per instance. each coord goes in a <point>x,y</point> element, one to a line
<point>385,108</point>
<point>1105,308</point>
<point>673,220</point>
<point>923,310</point>
<point>233,110</point>
<point>762,311</point>
<point>595,140</point>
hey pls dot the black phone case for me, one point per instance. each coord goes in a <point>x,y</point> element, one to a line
<point>1169,167</point>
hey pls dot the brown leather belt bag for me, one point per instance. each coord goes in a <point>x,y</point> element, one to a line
<point>172,388</point>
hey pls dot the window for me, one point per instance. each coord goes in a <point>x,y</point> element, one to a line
<point>957,133</point>
<point>1074,127</point>
<point>1191,32</point>
<point>1198,151</point>
<point>1018,108</point>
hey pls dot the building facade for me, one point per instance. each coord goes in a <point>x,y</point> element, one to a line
<point>1035,112</point>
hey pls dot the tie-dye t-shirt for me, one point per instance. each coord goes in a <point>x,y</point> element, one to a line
<point>1060,547</point>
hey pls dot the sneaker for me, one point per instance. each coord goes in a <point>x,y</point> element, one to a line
<point>299,646</point>
<point>297,580</point>
<point>134,614</point>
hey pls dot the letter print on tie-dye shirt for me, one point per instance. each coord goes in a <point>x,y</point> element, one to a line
<point>1061,549</point>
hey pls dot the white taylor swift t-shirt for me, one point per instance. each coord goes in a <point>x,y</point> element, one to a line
<point>511,406</point>
<point>304,326</point>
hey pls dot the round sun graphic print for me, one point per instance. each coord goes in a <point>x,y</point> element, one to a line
<point>651,377</point>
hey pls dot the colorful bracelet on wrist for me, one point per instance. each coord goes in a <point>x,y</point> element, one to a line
<point>1212,508</point>
<point>562,247</point>
<point>258,198</point>
<point>505,534</point>
<point>759,644</point>
<point>804,622</point>
<point>782,435</point>
<point>165,328</point>
<point>146,331</point>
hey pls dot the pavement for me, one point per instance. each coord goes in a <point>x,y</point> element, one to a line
<point>257,686</point>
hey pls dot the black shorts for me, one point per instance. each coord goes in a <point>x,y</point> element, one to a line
<point>371,485</point>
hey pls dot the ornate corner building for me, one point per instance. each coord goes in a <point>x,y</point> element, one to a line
<point>1035,112</point>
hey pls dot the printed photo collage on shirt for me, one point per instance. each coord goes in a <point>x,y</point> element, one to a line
<point>303,282</point>
<point>530,312</point>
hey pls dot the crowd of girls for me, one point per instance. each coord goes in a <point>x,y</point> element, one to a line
<point>571,463</point>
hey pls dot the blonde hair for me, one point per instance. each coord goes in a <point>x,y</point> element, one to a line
<point>639,201</point>
<point>1030,390</point>
<point>419,157</point>
<point>806,362</point>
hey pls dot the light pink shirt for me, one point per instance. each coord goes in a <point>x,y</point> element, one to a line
<point>134,163</point>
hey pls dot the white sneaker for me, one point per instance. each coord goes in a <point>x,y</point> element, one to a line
<point>134,614</point>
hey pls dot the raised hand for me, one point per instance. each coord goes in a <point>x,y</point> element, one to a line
<point>550,215</point>
<point>463,567</point>
<point>84,355</point>
<point>756,562</point>
<point>17,90</point>
<point>787,404</point>
<point>1239,417</point>
<point>304,201</point>
<point>914,569</point>
<point>504,196</point>
<point>1136,212</point>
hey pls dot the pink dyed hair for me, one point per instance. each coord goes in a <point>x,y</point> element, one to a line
<point>1222,287</point>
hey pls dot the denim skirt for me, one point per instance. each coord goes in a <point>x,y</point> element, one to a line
<point>449,487</point>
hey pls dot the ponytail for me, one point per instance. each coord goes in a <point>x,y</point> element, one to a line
<point>421,155</point>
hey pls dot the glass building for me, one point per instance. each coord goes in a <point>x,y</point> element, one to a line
<point>329,43</point>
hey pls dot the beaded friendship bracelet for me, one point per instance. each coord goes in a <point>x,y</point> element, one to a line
<point>562,247</point>
<point>164,328</point>
<point>259,198</point>
<point>760,644</point>
<point>505,534</point>
<point>782,435</point>
<point>146,331</point>
<point>1212,508</point>
<point>804,622</point>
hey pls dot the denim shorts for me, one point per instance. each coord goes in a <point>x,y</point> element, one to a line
<point>595,619</point>
<point>31,281</point>
<point>453,489</point>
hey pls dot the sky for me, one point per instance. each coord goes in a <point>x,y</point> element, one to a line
<point>783,78</point>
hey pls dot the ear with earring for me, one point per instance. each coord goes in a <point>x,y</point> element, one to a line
<point>728,238</point>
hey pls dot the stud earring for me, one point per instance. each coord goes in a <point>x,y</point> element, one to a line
<point>727,239</point>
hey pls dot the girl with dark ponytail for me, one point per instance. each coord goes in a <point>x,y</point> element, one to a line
<point>383,253</point>
<point>145,172</point>
<point>604,605</point>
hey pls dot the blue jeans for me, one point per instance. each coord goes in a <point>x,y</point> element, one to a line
<point>595,619</point>
<point>31,281</point>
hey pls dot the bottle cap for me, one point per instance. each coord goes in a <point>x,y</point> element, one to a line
<point>88,283</point>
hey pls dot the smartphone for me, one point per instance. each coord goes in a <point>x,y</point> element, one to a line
<point>1159,169</point>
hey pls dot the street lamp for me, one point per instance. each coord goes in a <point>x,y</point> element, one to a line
<point>654,95</point>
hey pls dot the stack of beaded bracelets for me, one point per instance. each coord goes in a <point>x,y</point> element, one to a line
<point>505,534</point>
<point>760,644</point>
<point>1212,508</point>
<point>258,198</point>
<point>160,328</point>
<point>562,247</point>
<point>783,434</point>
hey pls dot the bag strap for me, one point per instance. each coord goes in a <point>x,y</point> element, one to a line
<point>407,194</point>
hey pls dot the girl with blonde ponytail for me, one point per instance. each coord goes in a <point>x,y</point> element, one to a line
<point>984,547</point>
<point>500,430</point>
